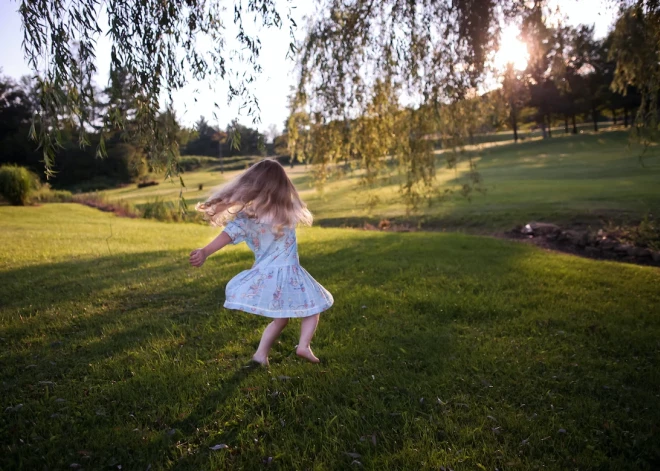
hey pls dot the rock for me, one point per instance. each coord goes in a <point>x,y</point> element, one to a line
<point>574,237</point>
<point>640,252</point>
<point>541,229</point>
<point>607,244</point>
<point>622,249</point>
<point>592,251</point>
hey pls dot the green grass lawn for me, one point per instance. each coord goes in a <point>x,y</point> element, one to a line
<point>582,180</point>
<point>569,180</point>
<point>441,350</point>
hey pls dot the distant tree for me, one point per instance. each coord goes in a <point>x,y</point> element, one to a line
<point>201,141</point>
<point>272,133</point>
<point>515,96</point>
<point>16,110</point>
<point>281,145</point>
<point>590,65</point>
<point>543,93</point>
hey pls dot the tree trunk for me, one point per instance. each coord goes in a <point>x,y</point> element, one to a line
<point>514,122</point>
<point>549,126</point>
<point>594,116</point>
<point>566,123</point>
<point>574,125</point>
<point>222,162</point>
<point>614,116</point>
<point>543,130</point>
<point>625,116</point>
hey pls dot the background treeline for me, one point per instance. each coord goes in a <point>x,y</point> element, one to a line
<point>78,167</point>
<point>568,80</point>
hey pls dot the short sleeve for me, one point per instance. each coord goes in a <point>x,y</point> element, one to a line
<point>237,229</point>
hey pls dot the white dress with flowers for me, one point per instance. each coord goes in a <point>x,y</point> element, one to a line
<point>276,285</point>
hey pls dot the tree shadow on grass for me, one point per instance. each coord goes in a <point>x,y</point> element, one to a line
<point>155,366</point>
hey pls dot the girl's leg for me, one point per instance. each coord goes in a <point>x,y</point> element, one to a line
<point>271,332</point>
<point>307,329</point>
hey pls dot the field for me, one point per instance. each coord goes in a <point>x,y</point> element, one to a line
<point>442,350</point>
<point>584,180</point>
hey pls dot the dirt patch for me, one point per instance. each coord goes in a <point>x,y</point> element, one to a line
<point>599,244</point>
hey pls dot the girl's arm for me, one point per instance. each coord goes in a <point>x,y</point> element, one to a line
<point>199,256</point>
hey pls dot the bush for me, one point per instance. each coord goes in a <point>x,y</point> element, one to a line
<point>100,201</point>
<point>16,184</point>
<point>147,183</point>
<point>47,195</point>
<point>194,162</point>
<point>168,211</point>
<point>159,210</point>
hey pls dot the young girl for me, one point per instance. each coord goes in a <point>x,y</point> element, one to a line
<point>266,208</point>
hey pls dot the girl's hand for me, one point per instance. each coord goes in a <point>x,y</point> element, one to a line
<point>197,257</point>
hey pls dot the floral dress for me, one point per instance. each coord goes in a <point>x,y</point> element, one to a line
<point>276,285</point>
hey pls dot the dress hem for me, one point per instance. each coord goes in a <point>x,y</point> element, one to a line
<point>277,314</point>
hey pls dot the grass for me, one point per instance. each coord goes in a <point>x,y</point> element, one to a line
<point>570,180</point>
<point>441,350</point>
<point>587,179</point>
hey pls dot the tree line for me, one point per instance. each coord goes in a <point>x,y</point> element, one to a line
<point>569,75</point>
<point>78,165</point>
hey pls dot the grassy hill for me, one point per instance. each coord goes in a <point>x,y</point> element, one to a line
<point>571,180</point>
<point>441,350</point>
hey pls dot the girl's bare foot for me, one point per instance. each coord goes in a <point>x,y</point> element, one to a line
<point>307,354</point>
<point>263,361</point>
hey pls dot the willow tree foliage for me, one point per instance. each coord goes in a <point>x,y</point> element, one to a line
<point>636,50</point>
<point>383,81</point>
<point>159,44</point>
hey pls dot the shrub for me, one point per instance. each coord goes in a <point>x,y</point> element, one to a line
<point>194,162</point>
<point>100,201</point>
<point>160,210</point>
<point>16,184</point>
<point>168,211</point>
<point>46,194</point>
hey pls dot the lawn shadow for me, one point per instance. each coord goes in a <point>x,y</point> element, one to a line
<point>396,312</point>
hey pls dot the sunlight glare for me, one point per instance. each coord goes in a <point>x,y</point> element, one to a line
<point>511,50</point>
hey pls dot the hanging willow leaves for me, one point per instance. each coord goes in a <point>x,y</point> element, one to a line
<point>382,81</point>
<point>157,44</point>
<point>636,51</point>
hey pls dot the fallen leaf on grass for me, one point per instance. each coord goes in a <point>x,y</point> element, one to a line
<point>352,455</point>
<point>356,462</point>
<point>220,446</point>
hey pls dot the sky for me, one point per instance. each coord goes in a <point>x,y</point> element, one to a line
<point>274,86</point>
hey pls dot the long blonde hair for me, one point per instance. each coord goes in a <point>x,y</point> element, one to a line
<point>263,192</point>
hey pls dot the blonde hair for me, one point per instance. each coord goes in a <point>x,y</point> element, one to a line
<point>264,192</point>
